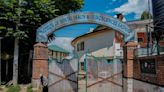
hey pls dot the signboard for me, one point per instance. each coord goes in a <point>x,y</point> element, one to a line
<point>81,18</point>
<point>148,66</point>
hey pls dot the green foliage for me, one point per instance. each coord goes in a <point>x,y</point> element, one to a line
<point>29,88</point>
<point>66,6</point>
<point>13,88</point>
<point>146,15</point>
<point>1,89</point>
<point>19,19</point>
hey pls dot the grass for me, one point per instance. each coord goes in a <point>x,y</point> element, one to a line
<point>1,89</point>
<point>29,88</point>
<point>14,88</point>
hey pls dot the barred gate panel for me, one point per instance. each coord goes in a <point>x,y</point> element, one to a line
<point>103,76</point>
<point>63,76</point>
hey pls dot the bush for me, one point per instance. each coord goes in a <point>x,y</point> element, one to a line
<point>1,89</point>
<point>29,88</point>
<point>13,88</point>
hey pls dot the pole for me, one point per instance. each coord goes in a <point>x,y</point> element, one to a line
<point>150,31</point>
<point>15,62</point>
<point>16,50</point>
<point>147,40</point>
<point>86,72</point>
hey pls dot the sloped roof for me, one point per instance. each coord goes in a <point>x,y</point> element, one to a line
<point>57,48</point>
<point>99,28</point>
<point>40,45</point>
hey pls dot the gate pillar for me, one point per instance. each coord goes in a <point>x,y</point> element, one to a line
<point>128,66</point>
<point>40,63</point>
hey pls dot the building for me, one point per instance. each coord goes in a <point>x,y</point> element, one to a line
<point>57,52</point>
<point>158,17</point>
<point>158,13</point>
<point>99,43</point>
<point>102,54</point>
<point>145,37</point>
<point>106,42</point>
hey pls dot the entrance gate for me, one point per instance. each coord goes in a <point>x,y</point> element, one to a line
<point>62,75</point>
<point>65,76</point>
<point>102,76</point>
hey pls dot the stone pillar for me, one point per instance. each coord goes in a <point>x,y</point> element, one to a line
<point>160,69</point>
<point>128,66</point>
<point>40,63</point>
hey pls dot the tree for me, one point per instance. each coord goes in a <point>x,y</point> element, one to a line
<point>5,56</point>
<point>19,19</point>
<point>146,15</point>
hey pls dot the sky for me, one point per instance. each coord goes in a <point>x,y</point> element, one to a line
<point>131,9</point>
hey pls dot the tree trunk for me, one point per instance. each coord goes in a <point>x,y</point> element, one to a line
<point>15,62</point>
<point>7,70</point>
<point>29,63</point>
<point>0,61</point>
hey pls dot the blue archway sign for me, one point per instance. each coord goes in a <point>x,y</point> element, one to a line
<point>81,18</point>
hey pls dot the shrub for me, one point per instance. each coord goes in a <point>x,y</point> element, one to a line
<point>29,88</point>
<point>13,88</point>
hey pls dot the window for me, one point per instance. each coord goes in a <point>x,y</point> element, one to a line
<point>161,49</point>
<point>109,61</point>
<point>82,65</point>
<point>148,66</point>
<point>162,38</point>
<point>54,54</point>
<point>140,40</point>
<point>80,46</point>
<point>50,53</point>
<point>141,37</point>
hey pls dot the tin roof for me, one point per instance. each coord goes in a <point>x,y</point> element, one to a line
<point>57,48</point>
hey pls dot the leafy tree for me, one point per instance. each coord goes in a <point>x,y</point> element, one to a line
<point>19,20</point>
<point>146,15</point>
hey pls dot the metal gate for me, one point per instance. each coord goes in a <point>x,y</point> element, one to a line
<point>63,75</point>
<point>103,74</point>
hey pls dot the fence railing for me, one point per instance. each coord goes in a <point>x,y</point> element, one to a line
<point>140,52</point>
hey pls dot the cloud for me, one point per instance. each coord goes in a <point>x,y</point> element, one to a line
<point>63,42</point>
<point>132,6</point>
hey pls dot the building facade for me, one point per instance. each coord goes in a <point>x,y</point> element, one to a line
<point>145,36</point>
<point>103,57</point>
<point>57,52</point>
<point>98,43</point>
<point>158,14</point>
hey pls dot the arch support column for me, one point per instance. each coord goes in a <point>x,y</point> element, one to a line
<point>40,63</point>
<point>128,66</point>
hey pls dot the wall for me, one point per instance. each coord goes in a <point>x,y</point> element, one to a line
<point>140,86</point>
<point>157,78</point>
<point>142,74</point>
<point>100,44</point>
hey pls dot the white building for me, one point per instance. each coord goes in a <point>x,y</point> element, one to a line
<point>101,42</point>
